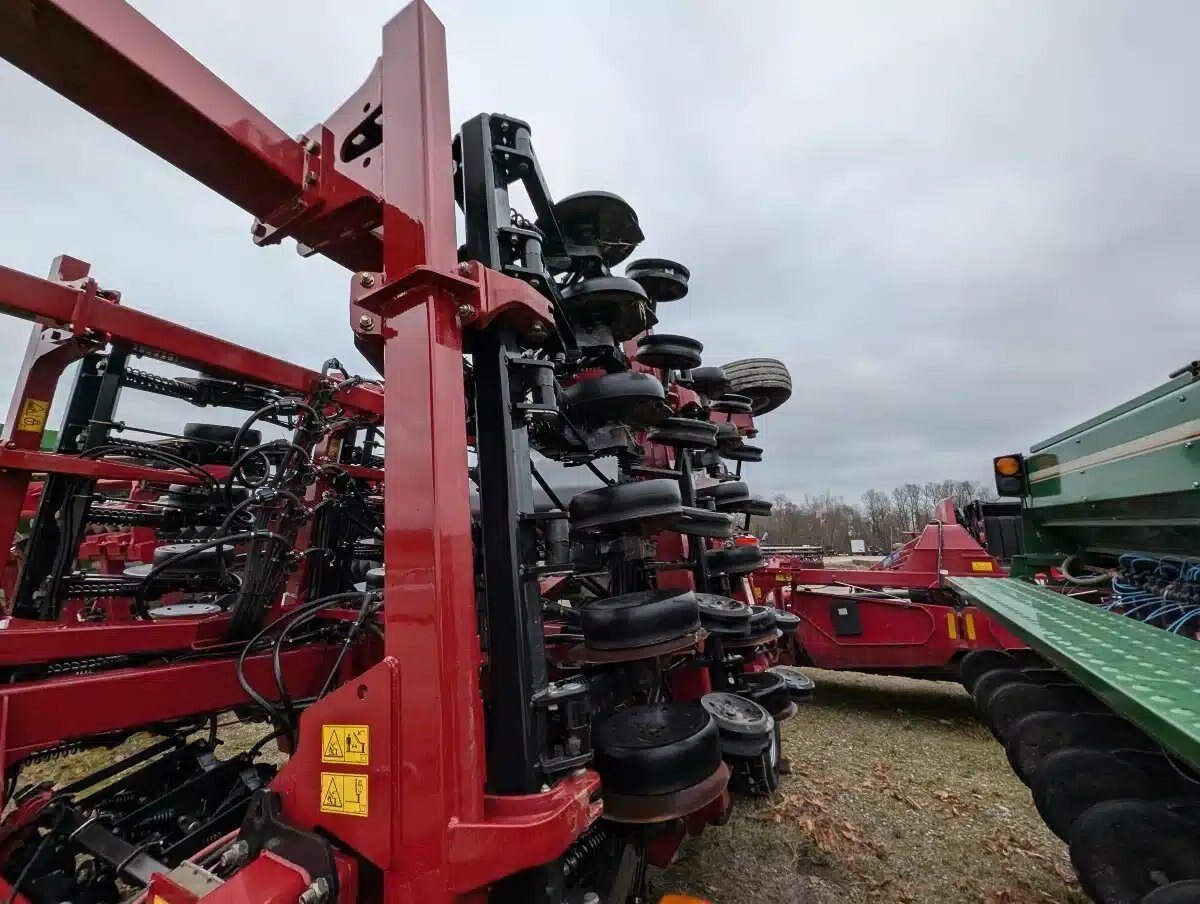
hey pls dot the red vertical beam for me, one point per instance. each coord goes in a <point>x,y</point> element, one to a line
<point>430,596</point>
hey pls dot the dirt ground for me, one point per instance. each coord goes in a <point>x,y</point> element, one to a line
<point>897,795</point>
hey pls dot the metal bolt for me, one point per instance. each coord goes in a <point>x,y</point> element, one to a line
<point>464,267</point>
<point>537,332</point>
<point>591,898</point>
<point>546,788</point>
<point>1196,484</point>
<point>466,310</point>
<point>366,322</point>
<point>317,893</point>
<point>366,280</point>
<point>310,178</point>
<point>235,855</point>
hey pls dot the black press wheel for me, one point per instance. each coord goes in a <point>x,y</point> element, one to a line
<point>735,560</point>
<point>1127,850</point>
<point>684,433</point>
<point>662,279</point>
<point>628,398</point>
<point>644,506</point>
<point>668,352</point>
<point>722,616</point>
<point>710,382</point>
<point>1185,892</point>
<point>978,663</point>
<point>1070,781</point>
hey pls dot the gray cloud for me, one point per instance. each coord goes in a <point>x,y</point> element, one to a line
<point>963,226</point>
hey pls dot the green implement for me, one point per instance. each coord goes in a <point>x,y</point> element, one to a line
<point>1148,675</point>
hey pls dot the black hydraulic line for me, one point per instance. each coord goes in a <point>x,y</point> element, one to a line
<point>541,481</point>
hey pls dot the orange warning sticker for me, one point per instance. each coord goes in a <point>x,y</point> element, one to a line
<point>982,566</point>
<point>33,415</point>
<point>346,744</point>
<point>343,794</point>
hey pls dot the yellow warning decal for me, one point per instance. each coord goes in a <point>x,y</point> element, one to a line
<point>346,744</point>
<point>159,899</point>
<point>982,566</point>
<point>952,626</point>
<point>343,794</point>
<point>33,415</point>
<point>783,577</point>
<point>970,620</point>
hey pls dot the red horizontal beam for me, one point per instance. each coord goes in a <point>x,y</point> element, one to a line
<point>40,714</point>
<point>24,641</point>
<point>54,463</point>
<point>33,298</point>
<point>916,580</point>
<point>109,59</point>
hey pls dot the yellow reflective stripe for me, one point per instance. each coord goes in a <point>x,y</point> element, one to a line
<point>952,626</point>
<point>970,619</point>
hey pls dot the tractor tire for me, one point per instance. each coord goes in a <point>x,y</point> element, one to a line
<point>765,380</point>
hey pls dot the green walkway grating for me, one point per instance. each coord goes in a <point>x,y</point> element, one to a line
<point>1147,675</point>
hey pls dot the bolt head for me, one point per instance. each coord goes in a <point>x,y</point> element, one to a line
<point>464,267</point>
<point>310,178</point>
<point>465,310</point>
<point>366,322</point>
<point>366,280</point>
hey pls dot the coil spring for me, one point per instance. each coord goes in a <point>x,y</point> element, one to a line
<point>124,799</point>
<point>148,382</point>
<point>97,589</point>
<point>125,517</point>
<point>586,845</point>
<point>66,749</point>
<point>161,818</point>
<point>84,666</point>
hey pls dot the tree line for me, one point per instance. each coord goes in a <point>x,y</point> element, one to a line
<point>880,519</point>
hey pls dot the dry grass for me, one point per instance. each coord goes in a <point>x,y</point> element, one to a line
<point>897,796</point>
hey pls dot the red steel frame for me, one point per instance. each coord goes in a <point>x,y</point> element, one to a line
<point>432,832</point>
<point>898,635</point>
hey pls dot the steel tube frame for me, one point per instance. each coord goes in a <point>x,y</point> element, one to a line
<point>432,829</point>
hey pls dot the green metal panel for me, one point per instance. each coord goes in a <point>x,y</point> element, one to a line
<point>1127,480</point>
<point>1148,675</point>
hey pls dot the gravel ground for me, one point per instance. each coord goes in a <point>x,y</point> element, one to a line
<point>897,796</point>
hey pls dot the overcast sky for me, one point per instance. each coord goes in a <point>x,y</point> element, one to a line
<point>963,226</point>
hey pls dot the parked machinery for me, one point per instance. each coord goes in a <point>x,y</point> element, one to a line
<point>900,616</point>
<point>485,691</point>
<point>1099,717</point>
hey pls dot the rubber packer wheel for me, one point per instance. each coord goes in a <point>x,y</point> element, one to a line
<point>1040,734</point>
<point>1124,850</point>
<point>1011,703</point>
<point>977,663</point>
<point>1185,892</point>
<point>1070,781</point>
<point>766,381</point>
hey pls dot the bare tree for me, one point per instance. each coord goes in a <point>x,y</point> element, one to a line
<point>881,519</point>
